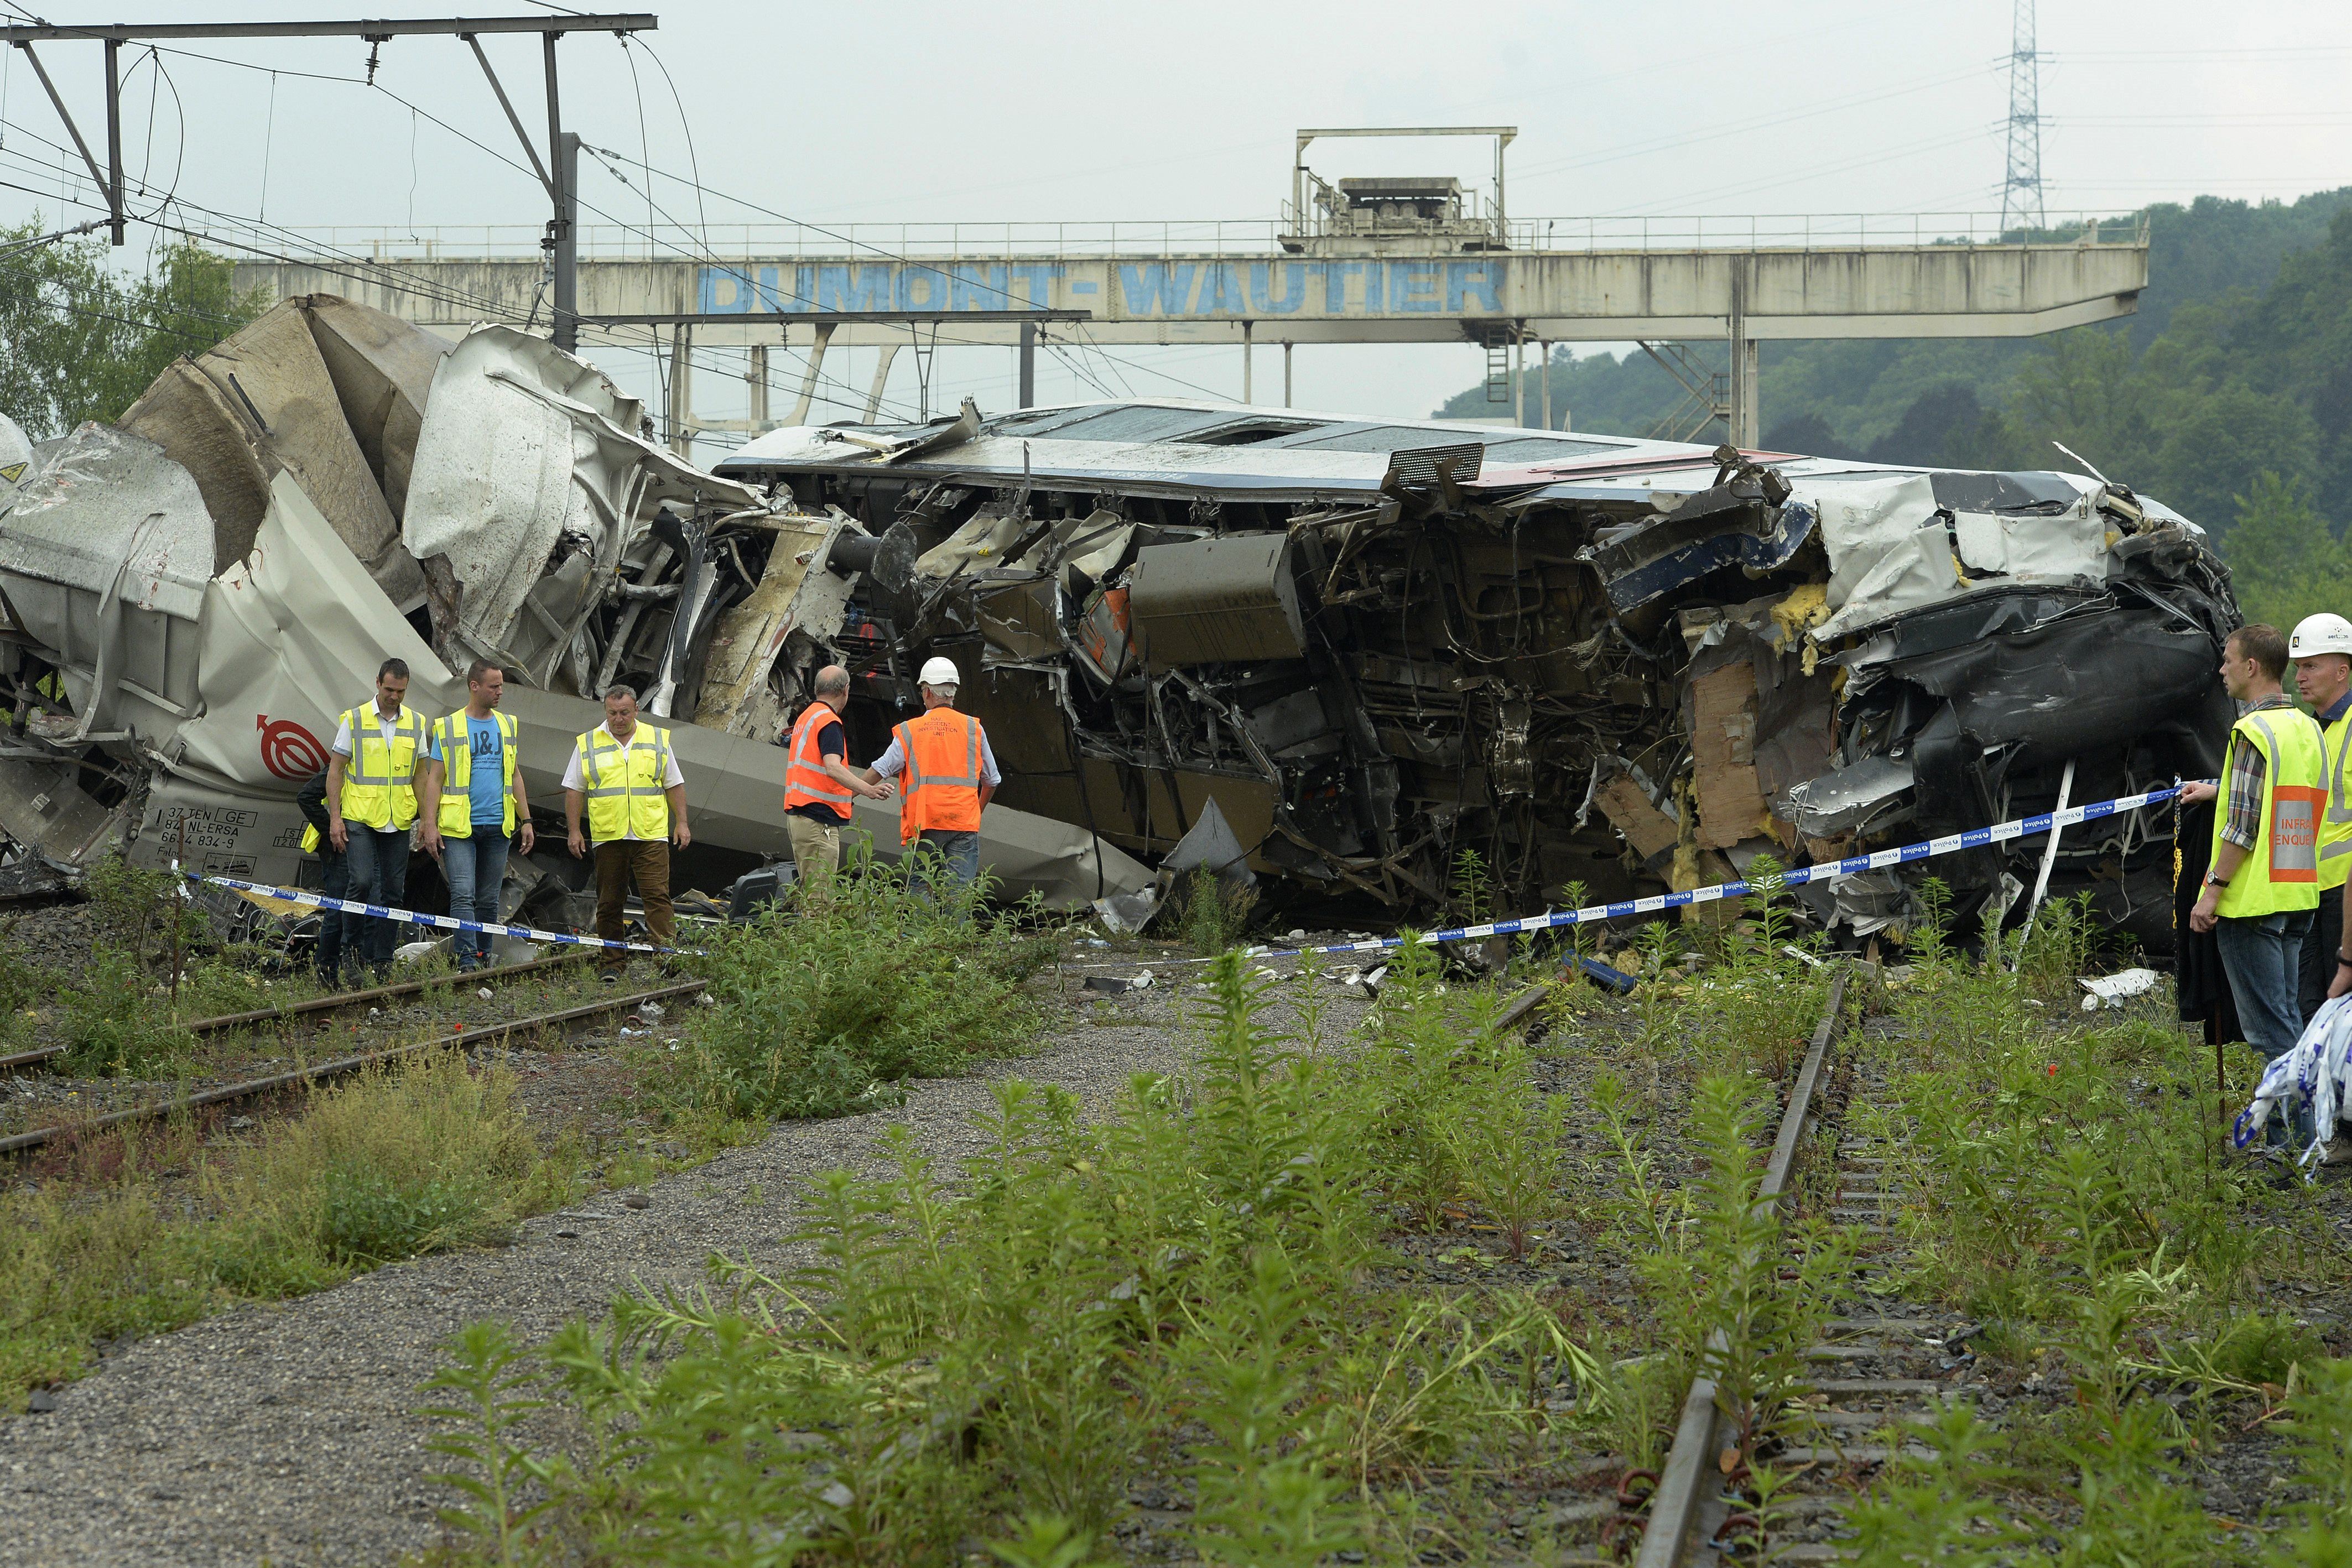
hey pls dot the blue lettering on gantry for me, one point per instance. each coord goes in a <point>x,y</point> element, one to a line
<point>1035,281</point>
<point>1294,288</point>
<point>1413,288</point>
<point>1374,292</point>
<point>1155,288</point>
<point>1220,291</point>
<point>978,288</point>
<point>921,287</point>
<point>835,289</point>
<point>724,291</point>
<point>1465,280</point>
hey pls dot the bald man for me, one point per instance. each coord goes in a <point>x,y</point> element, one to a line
<point>818,784</point>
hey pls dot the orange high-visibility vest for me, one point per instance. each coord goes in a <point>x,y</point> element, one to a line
<point>806,783</point>
<point>943,773</point>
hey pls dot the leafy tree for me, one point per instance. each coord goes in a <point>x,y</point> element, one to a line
<point>2237,362</point>
<point>78,341</point>
<point>2217,448</point>
<point>2287,564</point>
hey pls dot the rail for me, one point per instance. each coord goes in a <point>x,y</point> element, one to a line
<point>1252,236</point>
<point>254,1087</point>
<point>1675,1502</point>
<point>332,1004</point>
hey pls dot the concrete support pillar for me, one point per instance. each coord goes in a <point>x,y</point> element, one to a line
<point>682,390</point>
<point>1287,347</point>
<point>808,380</point>
<point>1743,420</point>
<point>1245,363</point>
<point>1543,369</point>
<point>881,379</point>
<point>758,377</point>
<point>1028,368</point>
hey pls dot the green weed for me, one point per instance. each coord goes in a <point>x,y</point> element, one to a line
<point>394,1162</point>
<point>1212,913</point>
<point>824,1006</point>
<point>487,1383</point>
<point>995,1354</point>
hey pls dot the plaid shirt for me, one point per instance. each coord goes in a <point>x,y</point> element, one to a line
<point>2245,820</point>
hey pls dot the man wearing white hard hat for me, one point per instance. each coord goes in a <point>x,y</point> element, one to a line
<point>949,774</point>
<point>2321,647</point>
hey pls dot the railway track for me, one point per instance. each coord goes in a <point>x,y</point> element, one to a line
<point>255,1088</point>
<point>320,1006</point>
<point>1884,1364</point>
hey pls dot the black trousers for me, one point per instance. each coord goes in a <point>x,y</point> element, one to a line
<point>2320,946</point>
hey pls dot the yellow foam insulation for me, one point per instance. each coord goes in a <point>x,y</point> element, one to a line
<point>1807,606</point>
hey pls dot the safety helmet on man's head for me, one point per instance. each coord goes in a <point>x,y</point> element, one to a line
<point>2321,633</point>
<point>941,675</point>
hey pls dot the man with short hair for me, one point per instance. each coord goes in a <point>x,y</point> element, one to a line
<point>2264,882</point>
<point>818,783</point>
<point>471,797</point>
<point>371,805</point>
<point>950,772</point>
<point>628,776</point>
<point>2322,651</point>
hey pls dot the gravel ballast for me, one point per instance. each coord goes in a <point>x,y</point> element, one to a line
<point>286,1433</point>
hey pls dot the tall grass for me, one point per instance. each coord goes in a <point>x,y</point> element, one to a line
<point>996,1353</point>
<point>396,1161</point>
<point>825,1005</point>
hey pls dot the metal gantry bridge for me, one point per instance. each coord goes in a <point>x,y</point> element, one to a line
<point>1106,286</point>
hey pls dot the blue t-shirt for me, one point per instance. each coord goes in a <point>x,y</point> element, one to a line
<point>486,784</point>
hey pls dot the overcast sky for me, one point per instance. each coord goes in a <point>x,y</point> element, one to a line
<point>1061,112</point>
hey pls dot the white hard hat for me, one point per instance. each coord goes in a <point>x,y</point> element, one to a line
<point>938,672</point>
<point>2321,633</point>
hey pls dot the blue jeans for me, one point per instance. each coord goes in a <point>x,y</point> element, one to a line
<point>956,850</point>
<point>376,872</point>
<point>476,867</point>
<point>2263,956</point>
<point>331,883</point>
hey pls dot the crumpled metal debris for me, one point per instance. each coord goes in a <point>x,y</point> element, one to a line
<point>194,595</point>
<point>1373,647</point>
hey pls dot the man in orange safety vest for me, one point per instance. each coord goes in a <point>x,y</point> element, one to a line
<point>818,783</point>
<point>949,774</point>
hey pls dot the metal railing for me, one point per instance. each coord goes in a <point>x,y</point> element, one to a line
<point>1645,232</point>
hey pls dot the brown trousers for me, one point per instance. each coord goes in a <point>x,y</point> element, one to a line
<point>645,862</point>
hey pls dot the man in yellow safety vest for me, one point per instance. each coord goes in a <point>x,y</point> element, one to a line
<point>629,778</point>
<point>2264,884</point>
<point>818,784</point>
<point>950,773</point>
<point>2322,651</point>
<point>471,797</point>
<point>371,805</point>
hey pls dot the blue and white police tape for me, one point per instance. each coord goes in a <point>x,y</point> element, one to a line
<point>438,921</point>
<point>1826,871</point>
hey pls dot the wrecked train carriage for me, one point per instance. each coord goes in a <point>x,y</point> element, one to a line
<point>1612,663</point>
<point>191,597</point>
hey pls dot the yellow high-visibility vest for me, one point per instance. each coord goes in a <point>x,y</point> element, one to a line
<point>2281,872</point>
<point>380,780</point>
<point>458,771</point>
<point>626,798</point>
<point>2336,827</point>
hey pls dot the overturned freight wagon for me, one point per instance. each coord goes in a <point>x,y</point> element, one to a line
<point>1607,667</point>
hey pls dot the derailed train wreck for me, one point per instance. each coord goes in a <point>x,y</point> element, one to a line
<point>1616,664</point>
<point>1368,646</point>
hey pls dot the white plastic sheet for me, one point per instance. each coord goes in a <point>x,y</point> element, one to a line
<point>2313,1072</point>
